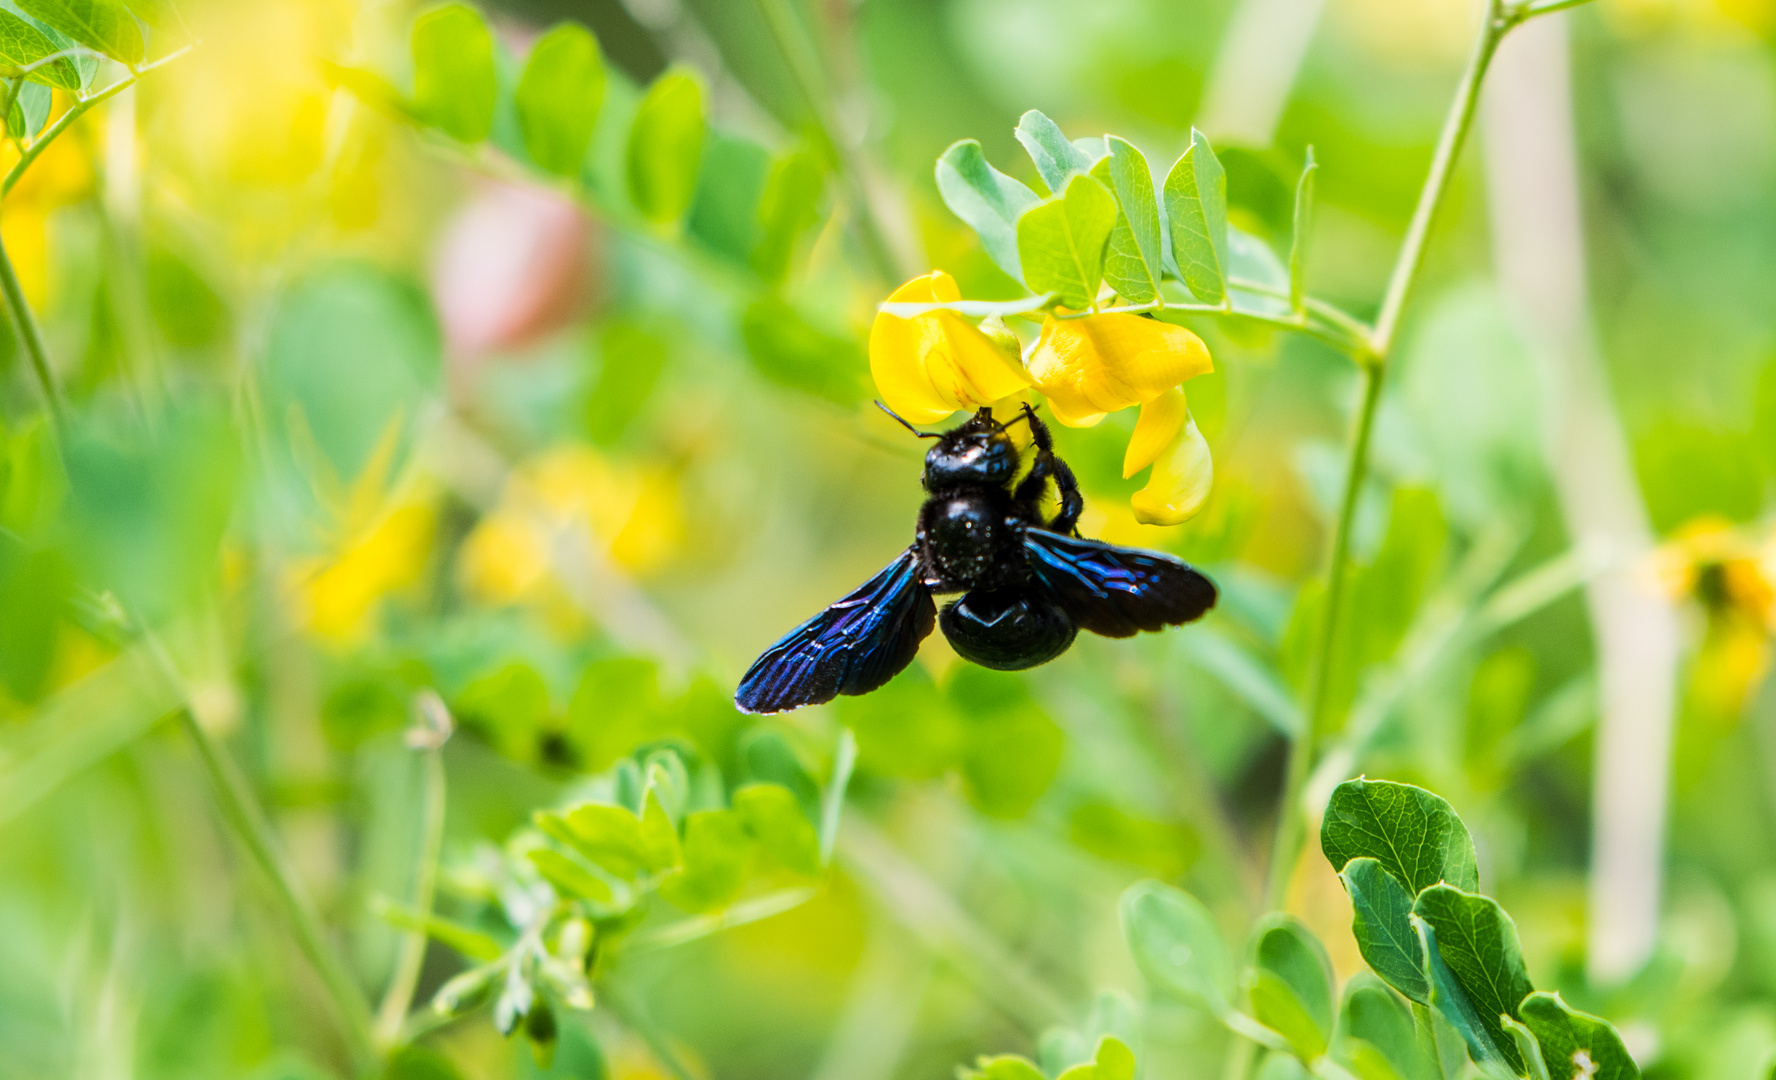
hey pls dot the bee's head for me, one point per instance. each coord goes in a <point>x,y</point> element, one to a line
<point>976,452</point>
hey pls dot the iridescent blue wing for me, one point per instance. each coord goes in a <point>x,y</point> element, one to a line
<point>852,647</point>
<point>1116,591</point>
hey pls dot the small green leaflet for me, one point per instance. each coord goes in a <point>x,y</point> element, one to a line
<point>988,200</point>
<point>1415,835</point>
<point>454,81</point>
<point>1057,160</point>
<point>1291,986</point>
<point>1478,942</point>
<point>1135,261</point>
<point>1061,242</point>
<point>1196,206</point>
<point>1177,945</point>
<point>788,207</point>
<point>105,25</point>
<point>24,42</point>
<point>666,146</point>
<point>1451,1001</point>
<point>1382,924</point>
<point>30,110</point>
<point>559,96</point>
<point>1573,1042</point>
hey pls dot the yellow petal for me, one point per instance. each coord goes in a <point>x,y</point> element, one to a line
<point>930,365</point>
<point>1182,477</point>
<point>1161,420</point>
<point>1102,363</point>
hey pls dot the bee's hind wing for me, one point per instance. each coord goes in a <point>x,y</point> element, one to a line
<point>852,647</point>
<point>1116,591</point>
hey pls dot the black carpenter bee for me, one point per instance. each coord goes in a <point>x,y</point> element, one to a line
<point>1028,585</point>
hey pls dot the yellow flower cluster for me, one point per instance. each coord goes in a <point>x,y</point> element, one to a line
<point>1087,365</point>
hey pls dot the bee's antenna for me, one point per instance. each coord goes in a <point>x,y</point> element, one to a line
<point>903,423</point>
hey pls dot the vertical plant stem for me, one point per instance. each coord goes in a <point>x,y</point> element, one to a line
<point>247,820</point>
<point>399,997</point>
<point>1290,824</point>
<point>804,68</point>
<point>30,335</point>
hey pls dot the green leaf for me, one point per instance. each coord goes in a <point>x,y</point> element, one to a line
<point>419,1063</point>
<point>1565,1034</point>
<point>1177,945</point>
<point>508,706</point>
<point>467,940</point>
<point>1196,209</point>
<point>787,349</point>
<point>724,213</point>
<point>776,820</point>
<point>23,42</point>
<point>1534,1067</point>
<point>1164,848</point>
<point>105,25</point>
<point>614,708</point>
<point>666,146</point>
<point>1415,835</point>
<point>1452,1003</point>
<point>1135,261</point>
<point>630,360</point>
<point>30,110</point>
<point>1250,259</point>
<point>610,836</point>
<point>715,852</point>
<point>35,588</point>
<point>1477,942</point>
<point>1003,1067</point>
<point>1057,160</point>
<point>455,85</point>
<point>1365,1061</point>
<point>1061,241</point>
<point>559,96</point>
<point>767,757</point>
<point>1304,193</point>
<point>787,208</point>
<point>1291,985</point>
<point>1377,1018</point>
<point>1113,1061</point>
<point>988,200</point>
<point>1382,924</point>
<point>567,875</point>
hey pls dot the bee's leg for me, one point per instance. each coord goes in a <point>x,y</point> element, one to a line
<point>1047,466</point>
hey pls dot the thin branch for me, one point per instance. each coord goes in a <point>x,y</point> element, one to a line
<point>1522,13</point>
<point>428,738</point>
<point>24,320</point>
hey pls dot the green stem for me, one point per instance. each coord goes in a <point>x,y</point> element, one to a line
<point>1291,820</point>
<point>804,68</point>
<point>31,337</point>
<point>247,820</point>
<point>398,999</point>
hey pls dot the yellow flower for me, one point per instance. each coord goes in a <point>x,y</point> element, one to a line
<point>387,556</point>
<point>928,366</point>
<point>1097,364</point>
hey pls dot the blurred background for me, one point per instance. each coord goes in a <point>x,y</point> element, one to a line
<point>356,411</point>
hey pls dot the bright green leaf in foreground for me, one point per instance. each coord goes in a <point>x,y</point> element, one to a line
<point>1575,1045</point>
<point>559,96</point>
<point>1382,924</point>
<point>23,42</point>
<point>1135,260</point>
<point>666,146</point>
<point>1061,242</point>
<point>1413,834</point>
<point>988,200</point>
<point>1196,208</point>
<point>1057,160</point>
<point>1479,943</point>
<point>105,25</point>
<point>454,83</point>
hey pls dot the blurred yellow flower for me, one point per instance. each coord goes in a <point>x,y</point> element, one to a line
<point>1733,579</point>
<point>1097,364</point>
<point>933,364</point>
<point>632,514</point>
<point>386,557</point>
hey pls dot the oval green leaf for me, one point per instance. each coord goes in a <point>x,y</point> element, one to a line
<point>1478,942</point>
<point>988,200</point>
<point>1061,242</point>
<point>1057,160</point>
<point>1196,209</point>
<point>24,42</point>
<point>1177,945</point>
<point>788,207</point>
<point>454,81</point>
<point>1382,924</point>
<point>558,98</point>
<point>666,147</point>
<point>1135,260</point>
<point>1576,1044</point>
<point>105,25</point>
<point>1415,835</point>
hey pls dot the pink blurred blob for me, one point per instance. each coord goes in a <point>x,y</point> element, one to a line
<point>512,265</point>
